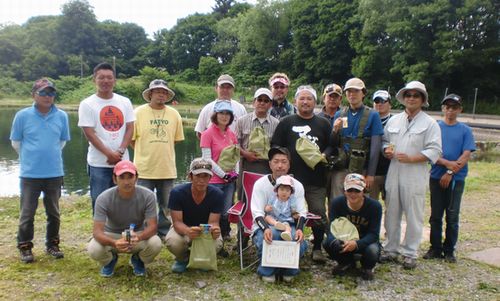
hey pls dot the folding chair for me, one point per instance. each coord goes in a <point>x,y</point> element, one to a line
<point>241,214</point>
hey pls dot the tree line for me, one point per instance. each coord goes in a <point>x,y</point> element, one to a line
<point>452,45</point>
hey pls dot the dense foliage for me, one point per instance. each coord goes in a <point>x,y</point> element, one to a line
<point>450,45</point>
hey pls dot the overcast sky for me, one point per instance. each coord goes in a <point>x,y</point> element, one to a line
<point>152,15</point>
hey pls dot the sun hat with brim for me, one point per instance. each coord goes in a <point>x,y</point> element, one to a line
<point>453,98</point>
<point>263,91</point>
<point>413,85</point>
<point>354,180</point>
<point>284,180</point>
<point>343,229</point>
<point>157,84</point>
<point>123,167</point>
<point>222,106</point>
<point>199,166</point>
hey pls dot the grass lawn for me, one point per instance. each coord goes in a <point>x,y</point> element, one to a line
<point>76,276</point>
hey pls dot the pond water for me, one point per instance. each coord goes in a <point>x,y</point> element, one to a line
<point>75,154</point>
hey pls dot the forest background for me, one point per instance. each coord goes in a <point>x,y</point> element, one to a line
<point>451,46</point>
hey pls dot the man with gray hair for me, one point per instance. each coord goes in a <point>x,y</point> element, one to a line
<point>305,124</point>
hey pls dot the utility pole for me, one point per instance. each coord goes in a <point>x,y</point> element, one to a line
<point>474,107</point>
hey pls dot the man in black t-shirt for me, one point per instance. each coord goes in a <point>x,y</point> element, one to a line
<point>317,130</point>
<point>191,205</point>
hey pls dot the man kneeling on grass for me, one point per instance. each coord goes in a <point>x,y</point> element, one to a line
<point>125,222</point>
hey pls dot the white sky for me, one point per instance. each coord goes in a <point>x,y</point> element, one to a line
<point>152,15</point>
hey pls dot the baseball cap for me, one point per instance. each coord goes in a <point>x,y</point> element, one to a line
<point>278,150</point>
<point>223,106</point>
<point>383,94</point>
<point>200,165</point>
<point>354,180</point>
<point>226,79</point>
<point>452,97</point>
<point>123,167</point>
<point>157,84</point>
<point>284,180</point>
<point>355,83</point>
<point>41,84</point>
<point>281,80</point>
<point>332,88</point>
<point>263,91</point>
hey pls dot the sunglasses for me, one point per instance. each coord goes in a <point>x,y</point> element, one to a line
<point>265,100</point>
<point>353,190</point>
<point>44,93</point>
<point>159,82</point>
<point>414,95</point>
<point>202,166</point>
<point>279,87</point>
<point>380,100</point>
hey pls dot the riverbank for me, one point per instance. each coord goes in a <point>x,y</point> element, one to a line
<point>76,276</point>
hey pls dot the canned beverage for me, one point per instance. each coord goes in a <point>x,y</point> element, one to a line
<point>344,122</point>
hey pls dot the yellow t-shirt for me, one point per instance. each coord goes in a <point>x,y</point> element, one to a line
<point>155,133</point>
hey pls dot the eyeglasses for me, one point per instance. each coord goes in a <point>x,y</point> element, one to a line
<point>353,190</point>
<point>159,82</point>
<point>380,100</point>
<point>279,87</point>
<point>265,100</point>
<point>44,93</point>
<point>414,95</point>
<point>202,166</point>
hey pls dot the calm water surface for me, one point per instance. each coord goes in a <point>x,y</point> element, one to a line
<point>75,154</point>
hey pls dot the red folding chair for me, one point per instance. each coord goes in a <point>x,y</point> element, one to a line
<point>241,214</point>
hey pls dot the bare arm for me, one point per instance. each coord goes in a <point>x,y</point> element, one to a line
<point>113,156</point>
<point>213,219</point>
<point>121,244</point>
<point>181,228</point>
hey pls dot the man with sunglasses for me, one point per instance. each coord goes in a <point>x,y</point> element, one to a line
<point>381,104</point>
<point>107,121</point>
<point>332,98</point>
<point>365,214</point>
<point>447,180</point>
<point>411,139</point>
<point>279,83</point>
<point>39,134</point>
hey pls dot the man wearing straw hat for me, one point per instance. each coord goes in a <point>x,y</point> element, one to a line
<point>411,139</point>
<point>156,130</point>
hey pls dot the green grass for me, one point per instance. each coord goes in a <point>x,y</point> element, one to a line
<point>76,277</point>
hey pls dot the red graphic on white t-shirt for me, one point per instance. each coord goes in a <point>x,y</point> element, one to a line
<point>111,118</point>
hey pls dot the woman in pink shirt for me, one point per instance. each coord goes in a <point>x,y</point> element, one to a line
<point>213,140</point>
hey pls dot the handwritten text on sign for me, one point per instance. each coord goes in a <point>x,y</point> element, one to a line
<point>281,254</point>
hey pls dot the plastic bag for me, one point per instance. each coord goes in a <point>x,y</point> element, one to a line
<point>309,152</point>
<point>203,255</point>
<point>343,229</point>
<point>258,142</point>
<point>228,158</point>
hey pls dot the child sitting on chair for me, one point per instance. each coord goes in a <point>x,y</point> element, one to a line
<point>281,210</point>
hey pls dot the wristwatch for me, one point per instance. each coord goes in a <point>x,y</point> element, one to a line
<point>121,150</point>
<point>449,172</point>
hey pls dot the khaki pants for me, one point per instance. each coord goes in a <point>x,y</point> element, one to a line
<point>147,249</point>
<point>179,245</point>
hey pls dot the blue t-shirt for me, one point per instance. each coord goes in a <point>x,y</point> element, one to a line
<point>373,126</point>
<point>40,136</point>
<point>455,139</point>
<point>194,214</point>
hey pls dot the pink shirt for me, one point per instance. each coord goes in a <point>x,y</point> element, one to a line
<point>216,140</point>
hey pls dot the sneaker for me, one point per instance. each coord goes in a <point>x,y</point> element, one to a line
<point>269,279</point>
<point>179,266</point>
<point>55,252</point>
<point>317,256</point>
<point>288,279</point>
<point>450,257</point>
<point>280,226</point>
<point>386,257</point>
<point>109,269</point>
<point>26,254</point>
<point>432,254</point>
<point>137,264</point>
<point>286,236</point>
<point>341,269</point>
<point>367,274</point>
<point>409,263</point>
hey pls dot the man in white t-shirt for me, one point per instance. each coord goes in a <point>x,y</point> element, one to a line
<point>107,120</point>
<point>225,90</point>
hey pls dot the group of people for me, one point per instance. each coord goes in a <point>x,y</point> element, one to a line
<point>365,154</point>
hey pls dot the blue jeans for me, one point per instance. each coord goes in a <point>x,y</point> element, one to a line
<point>228,190</point>
<point>369,255</point>
<point>30,192</point>
<point>445,200</point>
<point>101,178</point>
<point>163,188</point>
<point>258,240</point>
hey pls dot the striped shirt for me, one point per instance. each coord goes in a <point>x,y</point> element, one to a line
<point>248,122</point>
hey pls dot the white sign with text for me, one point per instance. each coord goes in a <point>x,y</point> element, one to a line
<point>281,254</point>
